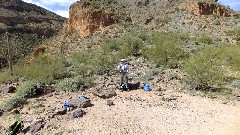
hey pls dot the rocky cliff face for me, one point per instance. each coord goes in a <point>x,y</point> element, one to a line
<point>208,8</point>
<point>84,19</point>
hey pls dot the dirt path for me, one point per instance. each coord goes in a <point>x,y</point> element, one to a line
<point>140,112</point>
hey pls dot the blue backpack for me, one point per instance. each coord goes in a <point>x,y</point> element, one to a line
<point>146,87</point>
<point>66,105</point>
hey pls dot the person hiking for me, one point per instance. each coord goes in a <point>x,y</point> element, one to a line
<point>123,70</point>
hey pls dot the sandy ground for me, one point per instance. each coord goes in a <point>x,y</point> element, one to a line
<point>135,112</point>
<point>140,113</point>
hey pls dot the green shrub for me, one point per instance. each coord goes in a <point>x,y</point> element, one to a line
<point>74,84</point>
<point>5,76</point>
<point>26,90</point>
<point>81,64</point>
<point>235,33</point>
<point>123,47</point>
<point>68,85</point>
<point>14,102</point>
<point>205,39</point>
<point>110,45</point>
<point>164,49</point>
<point>236,84</point>
<point>44,69</point>
<point>149,74</point>
<point>204,68</point>
<point>131,47</point>
<point>231,56</point>
<point>103,63</point>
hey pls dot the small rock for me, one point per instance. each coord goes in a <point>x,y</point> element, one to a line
<point>141,85</point>
<point>110,102</point>
<point>159,93</point>
<point>169,98</point>
<point>48,126</point>
<point>16,111</point>
<point>1,112</point>
<point>60,111</point>
<point>50,94</point>
<point>238,95</point>
<point>76,114</point>
<point>9,89</point>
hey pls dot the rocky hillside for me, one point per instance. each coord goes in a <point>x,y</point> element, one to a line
<point>96,20</point>
<point>27,24</point>
<point>86,15</point>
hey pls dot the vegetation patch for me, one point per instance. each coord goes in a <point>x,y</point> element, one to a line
<point>25,91</point>
<point>74,84</point>
<point>204,68</point>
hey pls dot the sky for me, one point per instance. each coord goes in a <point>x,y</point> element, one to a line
<point>61,7</point>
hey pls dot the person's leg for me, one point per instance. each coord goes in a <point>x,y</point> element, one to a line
<point>121,79</point>
<point>126,80</point>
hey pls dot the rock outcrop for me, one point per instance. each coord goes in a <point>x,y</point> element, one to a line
<point>84,19</point>
<point>208,8</point>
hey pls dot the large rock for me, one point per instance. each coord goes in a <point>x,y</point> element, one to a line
<point>42,89</point>
<point>34,127</point>
<point>80,103</point>
<point>104,92</point>
<point>76,114</point>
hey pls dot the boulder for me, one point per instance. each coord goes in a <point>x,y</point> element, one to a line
<point>42,89</point>
<point>80,103</point>
<point>34,127</point>
<point>76,114</point>
<point>104,92</point>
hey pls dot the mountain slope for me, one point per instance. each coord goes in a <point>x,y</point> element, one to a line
<point>27,24</point>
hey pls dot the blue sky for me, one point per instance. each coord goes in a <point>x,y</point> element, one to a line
<point>61,7</point>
